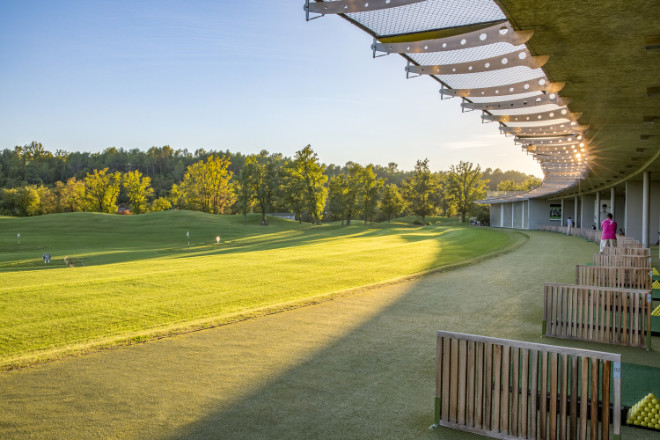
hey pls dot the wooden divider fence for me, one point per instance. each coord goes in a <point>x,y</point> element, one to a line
<point>622,241</point>
<point>598,314</point>
<point>610,276</point>
<point>519,390</point>
<point>641,262</point>
<point>588,234</point>
<point>639,251</point>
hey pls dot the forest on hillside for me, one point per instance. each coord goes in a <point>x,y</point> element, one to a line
<point>36,181</point>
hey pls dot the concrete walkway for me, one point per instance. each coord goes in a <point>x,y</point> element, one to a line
<point>357,367</point>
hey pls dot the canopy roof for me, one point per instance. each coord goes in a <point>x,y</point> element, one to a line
<point>575,84</point>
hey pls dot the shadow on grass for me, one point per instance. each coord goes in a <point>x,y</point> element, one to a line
<point>377,381</point>
<point>374,382</point>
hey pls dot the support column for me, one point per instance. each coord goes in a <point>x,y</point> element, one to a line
<point>575,213</point>
<point>645,209</point>
<point>597,213</point>
<point>501,215</point>
<point>512,213</point>
<point>562,213</point>
<point>625,210</point>
<point>612,201</point>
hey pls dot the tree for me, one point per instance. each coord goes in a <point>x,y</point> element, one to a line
<point>245,190</point>
<point>206,186</point>
<point>266,181</point>
<point>47,200</point>
<point>161,204</point>
<point>305,184</point>
<point>526,185</point>
<point>509,185</point>
<point>465,185</point>
<point>138,189</point>
<point>351,200</point>
<point>532,182</point>
<point>101,190</point>
<point>420,190</point>
<point>369,189</point>
<point>20,201</point>
<point>392,202</point>
<point>70,196</point>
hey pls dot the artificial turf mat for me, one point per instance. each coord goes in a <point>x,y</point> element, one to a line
<point>637,381</point>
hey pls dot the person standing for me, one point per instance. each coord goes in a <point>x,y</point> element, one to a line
<point>569,225</point>
<point>609,233</point>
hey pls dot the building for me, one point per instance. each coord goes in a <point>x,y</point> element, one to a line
<point>575,84</point>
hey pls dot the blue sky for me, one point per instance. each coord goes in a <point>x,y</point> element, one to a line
<point>240,75</point>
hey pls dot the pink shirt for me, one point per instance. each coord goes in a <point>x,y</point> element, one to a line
<point>609,229</point>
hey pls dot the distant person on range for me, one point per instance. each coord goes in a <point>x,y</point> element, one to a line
<point>609,233</point>
<point>569,225</point>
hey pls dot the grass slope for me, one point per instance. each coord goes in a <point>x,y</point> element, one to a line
<point>138,279</point>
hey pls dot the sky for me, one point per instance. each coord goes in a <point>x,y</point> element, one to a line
<point>85,75</point>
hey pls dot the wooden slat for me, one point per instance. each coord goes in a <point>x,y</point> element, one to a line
<point>608,313</point>
<point>497,386</point>
<point>597,326</point>
<point>552,425</point>
<point>479,393</point>
<point>646,326</point>
<point>453,382</point>
<point>625,321</point>
<point>470,383</point>
<point>543,407</point>
<point>462,381</point>
<point>488,387</point>
<point>563,397</point>
<point>438,368</point>
<point>523,393</point>
<point>616,323</point>
<point>591,316</point>
<point>635,325</point>
<point>584,396</point>
<point>534,387</point>
<point>594,400</point>
<point>546,302</point>
<point>616,411</point>
<point>574,398</point>
<point>574,313</point>
<point>446,364</point>
<point>564,311</point>
<point>584,314</point>
<point>504,406</point>
<point>515,388</point>
<point>605,424</point>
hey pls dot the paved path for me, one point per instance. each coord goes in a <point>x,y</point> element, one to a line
<point>357,367</point>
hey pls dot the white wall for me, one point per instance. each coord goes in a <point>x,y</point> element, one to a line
<point>539,214</point>
<point>587,211</point>
<point>495,218</point>
<point>568,210</point>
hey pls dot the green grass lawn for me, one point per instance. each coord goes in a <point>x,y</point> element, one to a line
<point>136,277</point>
<point>360,366</point>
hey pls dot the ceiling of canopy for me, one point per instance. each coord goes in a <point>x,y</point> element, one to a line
<point>575,84</point>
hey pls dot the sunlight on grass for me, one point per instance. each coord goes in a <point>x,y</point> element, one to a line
<point>139,280</point>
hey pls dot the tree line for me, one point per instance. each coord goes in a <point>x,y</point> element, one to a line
<point>35,181</point>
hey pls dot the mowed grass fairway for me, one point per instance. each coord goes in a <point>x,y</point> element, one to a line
<point>136,277</point>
